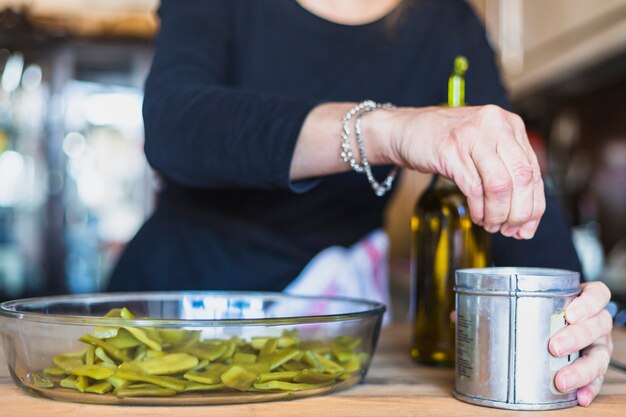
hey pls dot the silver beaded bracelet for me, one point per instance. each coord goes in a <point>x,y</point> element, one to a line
<point>360,110</point>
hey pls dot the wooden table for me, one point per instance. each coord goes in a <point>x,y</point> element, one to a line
<point>394,387</point>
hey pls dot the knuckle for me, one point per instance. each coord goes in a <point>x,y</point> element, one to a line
<point>475,189</point>
<point>603,360</point>
<point>523,175</point>
<point>519,217</point>
<point>491,112</point>
<point>498,186</point>
<point>586,373</point>
<point>494,218</point>
<point>586,334</point>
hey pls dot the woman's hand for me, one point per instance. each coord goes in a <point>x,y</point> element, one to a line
<point>589,331</point>
<point>483,149</point>
<point>486,152</point>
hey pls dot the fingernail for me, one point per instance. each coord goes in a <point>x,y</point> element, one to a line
<point>564,345</point>
<point>569,381</point>
<point>528,230</point>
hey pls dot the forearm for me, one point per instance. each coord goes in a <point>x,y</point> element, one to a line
<point>483,149</point>
<point>318,147</point>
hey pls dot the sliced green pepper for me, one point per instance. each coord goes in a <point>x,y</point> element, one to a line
<point>123,340</point>
<point>69,382</point>
<point>102,332</point>
<point>208,351</point>
<point>277,376</point>
<point>101,354</point>
<point>172,363</point>
<point>118,382</point>
<point>175,336</point>
<point>211,376</point>
<point>239,378</point>
<point>167,361</point>
<point>294,366</point>
<point>279,357</point>
<point>195,386</point>
<point>56,371</point>
<point>353,365</point>
<point>288,386</point>
<point>118,354</point>
<point>67,361</point>
<point>286,341</point>
<point>42,381</point>
<point>311,359</point>
<point>82,383</point>
<point>240,357</point>
<point>132,373</point>
<point>97,372</point>
<point>312,377</point>
<point>201,365</point>
<point>330,367</point>
<point>100,388</point>
<point>146,336</point>
<point>123,313</point>
<point>269,347</point>
<point>231,345</point>
<point>143,390</point>
<point>90,356</point>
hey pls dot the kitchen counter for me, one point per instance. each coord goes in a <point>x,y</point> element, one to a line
<point>395,386</point>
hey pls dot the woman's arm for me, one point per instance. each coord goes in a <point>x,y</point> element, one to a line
<point>199,131</point>
<point>483,149</point>
<point>202,133</point>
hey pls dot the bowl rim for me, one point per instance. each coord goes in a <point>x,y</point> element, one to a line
<point>9,309</point>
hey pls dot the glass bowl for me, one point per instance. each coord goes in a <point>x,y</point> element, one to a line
<point>214,347</point>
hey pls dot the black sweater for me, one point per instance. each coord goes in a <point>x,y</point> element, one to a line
<point>230,86</point>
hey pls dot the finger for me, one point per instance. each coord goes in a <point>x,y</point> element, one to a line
<point>519,130</point>
<point>453,316</point>
<point>471,186</point>
<point>592,365</point>
<point>593,298</point>
<point>586,394</point>
<point>577,336</point>
<point>496,185</point>
<point>528,230</point>
<point>521,174</point>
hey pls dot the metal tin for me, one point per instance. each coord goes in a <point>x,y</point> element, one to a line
<point>505,318</point>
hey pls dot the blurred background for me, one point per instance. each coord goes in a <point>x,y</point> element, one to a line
<point>75,186</point>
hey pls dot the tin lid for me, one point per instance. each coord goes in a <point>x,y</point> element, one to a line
<point>517,281</point>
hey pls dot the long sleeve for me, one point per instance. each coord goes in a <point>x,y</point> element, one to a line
<point>551,247</point>
<point>200,131</point>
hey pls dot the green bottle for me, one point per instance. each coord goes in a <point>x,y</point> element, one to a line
<point>444,240</point>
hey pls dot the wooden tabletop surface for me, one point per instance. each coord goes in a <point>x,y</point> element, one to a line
<point>395,386</point>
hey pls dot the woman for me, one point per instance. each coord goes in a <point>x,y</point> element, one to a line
<point>243,114</point>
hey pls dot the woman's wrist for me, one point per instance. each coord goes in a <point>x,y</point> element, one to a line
<point>393,135</point>
<point>379,136</point>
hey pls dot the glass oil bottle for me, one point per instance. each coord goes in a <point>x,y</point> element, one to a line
<point>444,240</point>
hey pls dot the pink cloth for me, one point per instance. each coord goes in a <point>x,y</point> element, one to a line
<point>360,271</point>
